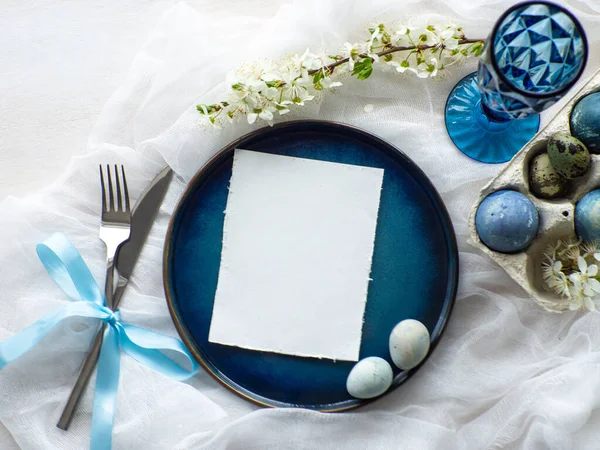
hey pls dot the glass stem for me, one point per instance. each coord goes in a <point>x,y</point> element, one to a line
<point>488,121</point>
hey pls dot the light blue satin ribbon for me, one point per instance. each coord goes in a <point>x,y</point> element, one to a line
<point>67,268</point>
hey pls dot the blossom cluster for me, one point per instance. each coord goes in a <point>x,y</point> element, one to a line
<point>570,269</point>
<point>268,88</point>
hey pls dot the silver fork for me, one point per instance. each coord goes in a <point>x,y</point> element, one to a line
<point>115,225</point>
<point>115,228</point>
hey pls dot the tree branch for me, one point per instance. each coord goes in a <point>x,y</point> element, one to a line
<point>329,68</point>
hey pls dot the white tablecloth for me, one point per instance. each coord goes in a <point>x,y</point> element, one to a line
<point>506,374</point>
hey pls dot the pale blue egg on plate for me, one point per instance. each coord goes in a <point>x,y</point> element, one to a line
<point>409,344</point>
<point>369,378</point>
<point>585,121</point>
<point>507,221</point>
<point>587,216</point>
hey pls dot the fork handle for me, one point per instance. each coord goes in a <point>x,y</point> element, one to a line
<point>87,368</point>
<point>109,285</point>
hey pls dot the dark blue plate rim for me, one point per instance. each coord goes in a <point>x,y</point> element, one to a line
<point>216,161</point>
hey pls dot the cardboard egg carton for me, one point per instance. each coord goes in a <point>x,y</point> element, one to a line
<point>556,215</point>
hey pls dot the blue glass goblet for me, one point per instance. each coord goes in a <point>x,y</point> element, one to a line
<point>536,52</point>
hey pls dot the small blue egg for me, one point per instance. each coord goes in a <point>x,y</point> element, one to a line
<point>587,216</point>
<point>585,121</point>
<point>507,221</point>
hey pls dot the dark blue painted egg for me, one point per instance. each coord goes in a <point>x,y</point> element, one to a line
<point>507,221</point>
<point>585,121</point>
<point>587,216</point>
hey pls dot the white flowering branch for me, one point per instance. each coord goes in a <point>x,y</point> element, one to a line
<point>570,270</point>
<point>266,88</point>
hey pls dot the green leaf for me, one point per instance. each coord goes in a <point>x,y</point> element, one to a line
<point>230,114</point>
<point>366,73</point>
<point>318,76</point>
<point>201,109</point>
<point>477,48</point>
<point>362,66</point>
<point>237,87</point>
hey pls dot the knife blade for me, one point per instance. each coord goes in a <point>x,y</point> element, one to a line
<point>142,217</point>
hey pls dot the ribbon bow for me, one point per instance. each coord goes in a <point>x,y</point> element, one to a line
<point>67,268</point>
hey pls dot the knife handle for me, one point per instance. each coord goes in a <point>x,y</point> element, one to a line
<point>87,368</point>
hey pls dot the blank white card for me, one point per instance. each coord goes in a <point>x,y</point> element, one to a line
<point>297,247</point>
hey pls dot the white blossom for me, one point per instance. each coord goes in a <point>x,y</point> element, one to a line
<point>568,273</point>
<point>264,88</point>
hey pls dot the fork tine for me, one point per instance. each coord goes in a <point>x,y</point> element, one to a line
<point>103,188</point>
<point>111,197</point>
<point>119,197</point>
<point>125,190</point>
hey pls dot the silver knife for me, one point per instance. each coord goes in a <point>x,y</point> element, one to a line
<point>142,218</point>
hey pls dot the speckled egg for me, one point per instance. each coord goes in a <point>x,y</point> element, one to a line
<point>585,121</point>
<point>568,155</point>
<point>370,377</point>
<point>544,180</point>
<point>507,221</point>
<point>587,216</point>
<point>409,344</point>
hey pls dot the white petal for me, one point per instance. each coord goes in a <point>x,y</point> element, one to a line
<point>594,284</point>
<point>588,292</point>
<point>447,33</point>
<point>266,115</point>
<point>575,278</point>
<point>597,256</point>
<point>574,306</point>
<point>252,118</point>
<point>581,264</point>
<point>557,266</point>
<point>270,76</point>
<point>589,304</point>
<point>451,43</point>
<point>592,270</point>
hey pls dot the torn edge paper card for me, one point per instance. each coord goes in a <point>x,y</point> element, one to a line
<point>298,242</point>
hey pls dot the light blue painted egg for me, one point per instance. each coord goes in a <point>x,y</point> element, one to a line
<point>587,216</point>
<point>409,344</point>
<point>370,377</point>
<point>507,221</point>
<point>585,121</point>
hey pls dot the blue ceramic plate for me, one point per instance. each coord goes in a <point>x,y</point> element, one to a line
<point>414,271</point>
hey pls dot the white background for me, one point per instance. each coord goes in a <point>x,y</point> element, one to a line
<point>505,375</point>
<point>60,60</point>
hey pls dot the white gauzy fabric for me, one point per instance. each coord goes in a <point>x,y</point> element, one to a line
<point>505,375</point>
